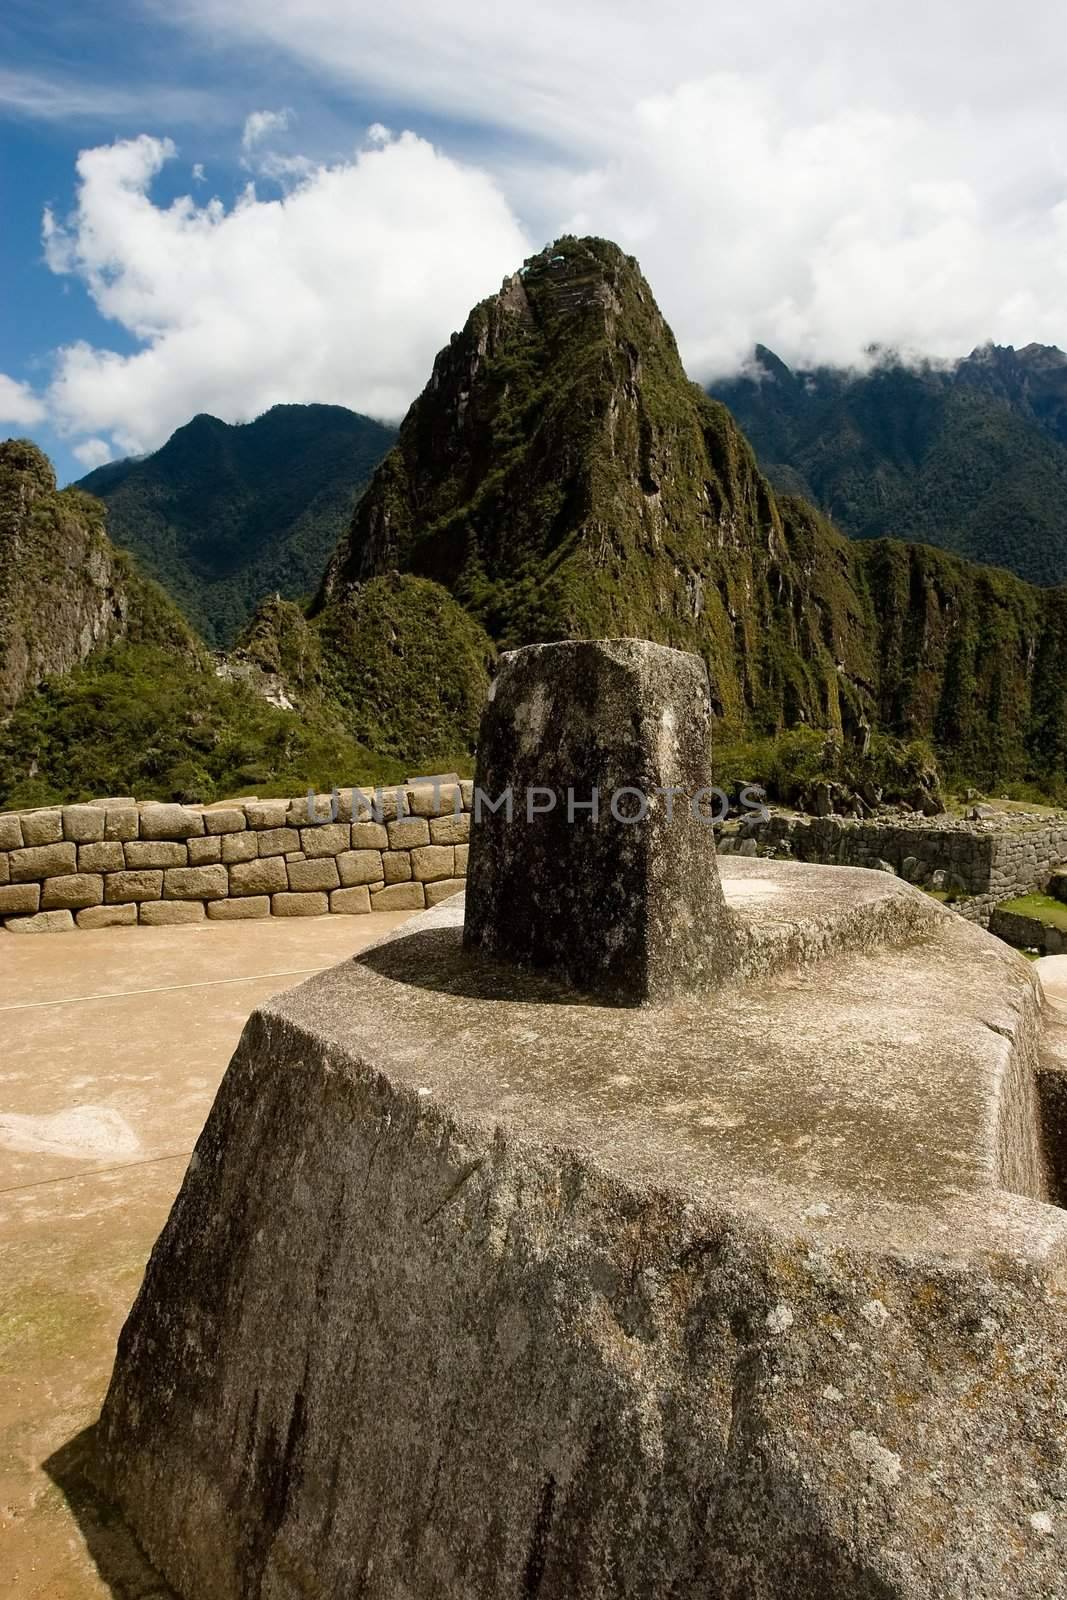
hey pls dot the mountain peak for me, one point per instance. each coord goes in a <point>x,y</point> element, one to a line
<point>24,459</point>
<point>565,378</point>
<point>225,512</point>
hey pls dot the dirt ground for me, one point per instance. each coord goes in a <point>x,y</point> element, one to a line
<point>112,1044</point>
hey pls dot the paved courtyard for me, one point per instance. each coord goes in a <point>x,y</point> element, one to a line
<point>112,1045</point>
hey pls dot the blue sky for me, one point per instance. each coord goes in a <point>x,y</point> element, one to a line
<point>818,178</point>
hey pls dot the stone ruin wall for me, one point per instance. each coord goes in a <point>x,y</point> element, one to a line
<point>983,862</point>
<point>115,862</point>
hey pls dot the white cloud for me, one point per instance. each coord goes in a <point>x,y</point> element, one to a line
<point>818,177</point>
<point>58,99</point>
<point>19,406</point>
<point>199,175</point>
<point>340,291</point>
<point>92,453</point>
<point>821,238</point>
<point>259,125</point>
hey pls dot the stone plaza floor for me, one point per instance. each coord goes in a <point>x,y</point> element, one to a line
<point>112,1044</point>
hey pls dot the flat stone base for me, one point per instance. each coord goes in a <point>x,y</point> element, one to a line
<point>477,1288</point>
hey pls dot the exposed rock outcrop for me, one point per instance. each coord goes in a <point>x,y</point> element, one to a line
<point>64,590</point>
<point>562,478</point>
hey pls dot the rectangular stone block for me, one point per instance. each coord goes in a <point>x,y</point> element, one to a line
<point>267,813</point>
<point>108,800</point>
<point>327,840</point>
<point>142,853</point>
<point>461,860</point>
<point>266,876</point>
<point>106,916</point>
<point>369,836</point>
<point>383,805</point>
<point>450,830</point>
<point>433,862</point>
<point>430,802</point>
<point>108,856</point>
<point>247,910</point>
<point>196,883</point>
<point>360,866</point>
<point>171,822</point>
<point>170,913</point>
<point>350,902</point>
<point>302,812</point>
<point>626,902</point>
<point>42,827</point>
<point>295,855</point>
<point>341,805</point>
<point>11,831</point>
<point>408,832</point>
<point>239,847</point>
<point>18,899</point>
<point>299,905</point>
<point>5,868</point>
<point>123,888</point>
<point>312,875</point>
<point>225,820</point>
<point>396,865</point>
<point>350,806</point>
<point>83,824</point>
<point>205,852</point>
<point>466,791</point>
<point>122,822</point>
<point>277,841</point>
<point>43,861</point>
<point>398,897</point>
<point>45,922</point>
<point>444,890</point>
<point>71,893</point>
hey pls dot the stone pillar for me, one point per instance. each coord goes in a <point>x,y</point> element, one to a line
<point>598,863</point>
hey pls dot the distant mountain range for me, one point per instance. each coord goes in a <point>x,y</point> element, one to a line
<point>970,456</point>
<point>224,514</point>
<point>559,476</point>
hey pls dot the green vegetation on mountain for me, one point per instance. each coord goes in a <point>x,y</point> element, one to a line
<point>107,690</point>
<point>971,457</point>
<point>223,514</point>
<point>791,767</point>
<point>408,667</point>
<point>561,476</point>
<point>132,720</point>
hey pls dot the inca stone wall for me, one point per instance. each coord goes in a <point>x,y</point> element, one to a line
<point>114,862</point>
<point>983,861</point>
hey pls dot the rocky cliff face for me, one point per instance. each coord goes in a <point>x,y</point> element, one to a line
<point>561,476</point>
<point>64,591</point>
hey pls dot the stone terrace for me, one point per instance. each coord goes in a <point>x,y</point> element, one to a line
<point>115,862</point>
<point>985,860</point>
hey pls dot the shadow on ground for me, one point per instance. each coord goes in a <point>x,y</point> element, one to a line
<point>119,1560</point>
<point>435,959</point>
